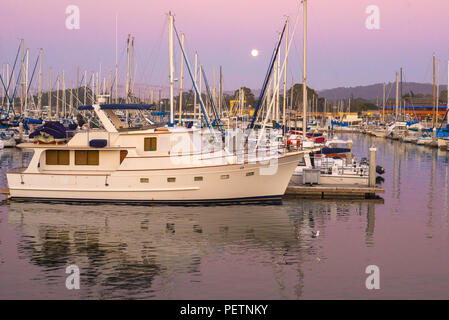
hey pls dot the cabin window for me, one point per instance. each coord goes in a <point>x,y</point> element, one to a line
<point>249,174</point>
<point>123,154</point>
<point>198,179</point>
<point>87,157</point>
<point>144,180</point>
<point>150,144</point>
<point>171,179</point>
<point>224,176</point>
<point>57,157</point>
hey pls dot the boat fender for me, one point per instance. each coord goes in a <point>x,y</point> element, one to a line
<point>98,143</point>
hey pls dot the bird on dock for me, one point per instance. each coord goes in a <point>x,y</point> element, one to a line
<point>315,234</point>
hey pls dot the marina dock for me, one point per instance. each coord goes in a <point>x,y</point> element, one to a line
<point>318,191</point>
<point>334,191</point>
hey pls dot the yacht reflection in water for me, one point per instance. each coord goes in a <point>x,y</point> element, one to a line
<point>136,251</point>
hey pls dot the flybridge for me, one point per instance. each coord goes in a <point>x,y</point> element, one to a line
<point>118,106</point>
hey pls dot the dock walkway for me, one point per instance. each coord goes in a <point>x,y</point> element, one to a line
<point>324,191</point>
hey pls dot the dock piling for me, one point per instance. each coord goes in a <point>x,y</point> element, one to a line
<point>372,167</point>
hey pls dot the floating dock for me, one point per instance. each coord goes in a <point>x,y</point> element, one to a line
<point>323,191</point>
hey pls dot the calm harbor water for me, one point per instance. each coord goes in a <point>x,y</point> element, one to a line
<point>240,252</point>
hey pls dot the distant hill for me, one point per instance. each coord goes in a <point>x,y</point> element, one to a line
<point>374,91</point>
<point>368,92</point>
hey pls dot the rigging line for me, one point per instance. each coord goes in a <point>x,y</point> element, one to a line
<point>211,99</point>
<point>10,77</point>
<point>267,76</point>
<point>13,96</point>
<point>32,75</point>
<point>154,49</point>
<point>389,91</point>
<point>6,92</point>
<point>283,65</point>
<point>206,118</point>
<point>157,52</point>
<point>14,67</point>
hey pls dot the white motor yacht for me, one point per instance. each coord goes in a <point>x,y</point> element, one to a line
<point>117,163</point>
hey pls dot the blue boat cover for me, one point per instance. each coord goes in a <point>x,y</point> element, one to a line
<point>53,128</point>
<point>119,106</point>
<point>32,121</point>
<point>159,113</point>
<point>333,150</point>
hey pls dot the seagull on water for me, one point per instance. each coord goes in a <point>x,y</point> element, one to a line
<point>315,234</point>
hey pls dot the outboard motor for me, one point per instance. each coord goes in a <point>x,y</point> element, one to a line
<point>379,180</point>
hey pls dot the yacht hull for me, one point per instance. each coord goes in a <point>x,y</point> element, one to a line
<point>222,183</point>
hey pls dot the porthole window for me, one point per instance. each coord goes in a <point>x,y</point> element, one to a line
<point>249,174</point>
<point>171,179</point>
<point>198,178</point>
<point>224,176</point>
<point>144,180</point>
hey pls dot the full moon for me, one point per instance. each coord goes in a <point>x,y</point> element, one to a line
<point>254,52</point>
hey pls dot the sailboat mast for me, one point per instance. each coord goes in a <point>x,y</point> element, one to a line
<point>180,79</point>
<point>7,79</point>
<point>26,82</point>
<point>133,74</point>
<point>401,112</point>
<point>291,106</point>
<point>214,91</point>
<point>201,89</point>
<point>196,74</point>
<point>71,96</point>
<point>433,119</point>
<point>116,63</point>
<point>438,90</point>
<point>127,70</point>
<point>397,97</point>
<point>39,94</point>
<point>22,78</point>
<point>77,82</point>
<point>304,82</point>
<point>63,93</point>
<point>383,102</point>
<point>50,91</point>
<point>3,77</point>
<point>220,93</point>
<point>57,98</point>
<point>285,77</point>
<point>170,55</point>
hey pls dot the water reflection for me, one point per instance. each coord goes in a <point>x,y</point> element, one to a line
<point>140,252</point>
<point>238,252</point>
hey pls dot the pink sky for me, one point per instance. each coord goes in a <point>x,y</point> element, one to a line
<point>342,52</point>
